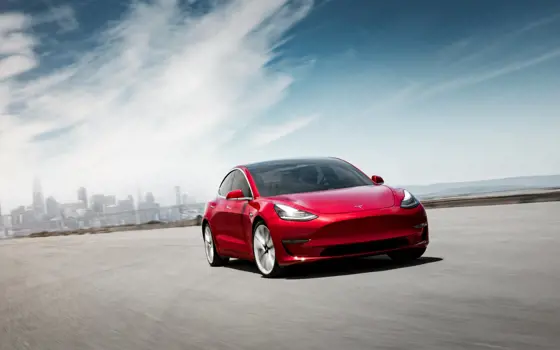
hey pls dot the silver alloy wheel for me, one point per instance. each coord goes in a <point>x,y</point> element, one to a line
<point>263,247</point>
<point>208,244</point>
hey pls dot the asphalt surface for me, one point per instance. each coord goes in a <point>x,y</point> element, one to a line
<point>489,280</point>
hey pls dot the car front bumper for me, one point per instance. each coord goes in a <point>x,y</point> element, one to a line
<point>350,235</point>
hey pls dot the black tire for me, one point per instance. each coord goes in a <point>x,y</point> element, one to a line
<point>276,270</point>
<point>212,256</point>
<point>407,255</point>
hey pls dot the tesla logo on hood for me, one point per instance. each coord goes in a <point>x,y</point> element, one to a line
<point>358,206</point>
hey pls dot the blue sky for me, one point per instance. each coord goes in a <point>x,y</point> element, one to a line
<point>119,95</point>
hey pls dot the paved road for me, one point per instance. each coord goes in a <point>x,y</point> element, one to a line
<point>490,280</point>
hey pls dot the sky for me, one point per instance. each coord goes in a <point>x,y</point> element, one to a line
<point>125,96</point>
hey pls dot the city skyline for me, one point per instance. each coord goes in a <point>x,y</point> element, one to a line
<point>46,213</point>
<point>38,197</point>
<point>113,97</point>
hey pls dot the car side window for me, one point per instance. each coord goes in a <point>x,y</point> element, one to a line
<point>225,187</point>
<point>240,183</point>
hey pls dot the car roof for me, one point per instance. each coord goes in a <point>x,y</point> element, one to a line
<point>286,161</point>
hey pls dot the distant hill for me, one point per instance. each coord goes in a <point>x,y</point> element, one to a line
<point>521,183</point>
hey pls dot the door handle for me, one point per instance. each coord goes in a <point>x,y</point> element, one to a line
<point>228,207</point>
<point>212,206</point>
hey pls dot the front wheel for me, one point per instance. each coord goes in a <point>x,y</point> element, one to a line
<point>214,259</point>
<point>264,251</point>
<point>407,255</point>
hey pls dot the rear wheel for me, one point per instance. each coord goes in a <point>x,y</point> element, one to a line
<point>407,255</point>
<point>214,259</point>
<point>264,251</point>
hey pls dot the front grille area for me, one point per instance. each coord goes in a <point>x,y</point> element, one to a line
<point>359,248</point>
<point>369,225</point>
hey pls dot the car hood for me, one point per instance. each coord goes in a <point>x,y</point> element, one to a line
<point>343,200</point>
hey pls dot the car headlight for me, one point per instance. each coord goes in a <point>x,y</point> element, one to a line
<point>288,213</point>
<point>409,201</point>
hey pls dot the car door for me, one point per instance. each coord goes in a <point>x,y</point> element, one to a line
<point>219,221</point>
<point>237,215</point>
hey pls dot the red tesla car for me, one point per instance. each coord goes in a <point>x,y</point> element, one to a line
<point>284,212</point>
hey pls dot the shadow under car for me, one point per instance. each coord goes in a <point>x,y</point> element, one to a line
<point>336,267</point>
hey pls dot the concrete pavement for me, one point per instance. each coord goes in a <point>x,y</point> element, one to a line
<point>489,280</point>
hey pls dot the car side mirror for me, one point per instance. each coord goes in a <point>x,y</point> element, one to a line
<point>378,180</point>
<point>235,194</point>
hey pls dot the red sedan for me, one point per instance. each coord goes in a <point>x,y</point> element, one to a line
<point>284,212</point>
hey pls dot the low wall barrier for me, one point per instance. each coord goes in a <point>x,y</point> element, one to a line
<point>146,226</point>
<point>492,200</point>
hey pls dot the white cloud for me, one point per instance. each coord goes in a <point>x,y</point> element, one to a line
<point>477,78</point>
<point>272,133</point>
<point>148,105</point>
<point>16,47</point>
<point>15,65</point>
<point>63,16</point>
<point>12,22</point>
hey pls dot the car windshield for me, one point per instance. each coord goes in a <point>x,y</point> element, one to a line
<point>298,176</point>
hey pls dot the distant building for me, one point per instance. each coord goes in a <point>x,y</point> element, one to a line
<point>121,213</point>
<point>148,212</point>
<point>112,209</point>
<point>110,200</point>
<point>177,195</point>
<point>29,218</point>
<point>82,196</point>
<point>125,204</point>
<point>5,225</point>
<point>130,198</point>
<point>100,201</point>
<point>53,209</point>
<point>38,199</point>
<point>17,216</point>
<point>72,209</point>
<point>185,198</point>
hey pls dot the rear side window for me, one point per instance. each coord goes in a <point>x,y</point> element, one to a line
<point>225,187</point>
<point>240,183</point>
